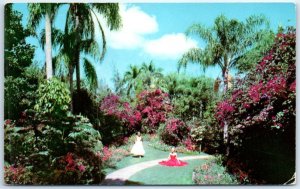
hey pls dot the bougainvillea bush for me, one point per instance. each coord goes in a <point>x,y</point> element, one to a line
<point>261,106</point>
<point>154,106</point>
<point>175,131</point>
<point>119,119</point>
<point>113,106</point>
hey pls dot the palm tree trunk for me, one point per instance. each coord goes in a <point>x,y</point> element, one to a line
<point>48,45</point>
<point>225,132</point>
<point>225,79</point>
<point>77,70</point>
<point>77,55</point>
<point>71,71</point>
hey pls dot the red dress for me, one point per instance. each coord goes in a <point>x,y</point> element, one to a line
<point>173,162</point>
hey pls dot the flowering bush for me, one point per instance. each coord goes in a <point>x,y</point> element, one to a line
<point>266,96</point>
<point>111,155</point>
<point>189,144</point>
<point>174,132</point>
<point>113,106</point>
<point>17,174</point>
<point>212,173</point>
<point>261,107</point>
<point>154,107</point>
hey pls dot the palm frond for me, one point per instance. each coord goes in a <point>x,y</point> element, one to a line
<point>201,31</point>
<point>36,13</point>
<point>90,73</point>
<point>110,12</point>
<point>103,36</point>
<point>193,55</point>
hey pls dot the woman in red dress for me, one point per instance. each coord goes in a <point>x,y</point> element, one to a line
<point>172,160</point>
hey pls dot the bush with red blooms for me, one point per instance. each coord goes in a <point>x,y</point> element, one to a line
<point>17,174</point>
<point>154,107</point>
<point>112,105</point>
<point>174,131</point>
<point>261,107</point>
<point>189,144</point>
<point>72,163</point>
<point>266,96</point>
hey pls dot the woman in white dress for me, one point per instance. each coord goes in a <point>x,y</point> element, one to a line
<point>138,149</point>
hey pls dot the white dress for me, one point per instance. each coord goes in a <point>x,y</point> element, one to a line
<point>138,149</point>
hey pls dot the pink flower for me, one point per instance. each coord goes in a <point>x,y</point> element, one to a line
<point>7,122</point>
<point>81,168</point>
<point>246,105</point>
<point>293,86</point>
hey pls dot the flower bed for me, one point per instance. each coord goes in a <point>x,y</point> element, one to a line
<point>212,172</point>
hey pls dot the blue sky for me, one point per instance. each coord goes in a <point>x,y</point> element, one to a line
<point>155,31</point>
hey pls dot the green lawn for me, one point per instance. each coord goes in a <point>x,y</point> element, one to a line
<point>162,175</point>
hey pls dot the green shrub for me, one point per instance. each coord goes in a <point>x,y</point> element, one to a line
<point>20,93</point>
<point>53,99</point>
<point>63,152</point>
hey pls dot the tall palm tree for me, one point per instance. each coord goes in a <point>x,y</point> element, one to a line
<point>81,27</point>
<point>226,43</point>
<point>37,11</point>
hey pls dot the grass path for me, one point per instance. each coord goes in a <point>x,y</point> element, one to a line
<point>137,171</point>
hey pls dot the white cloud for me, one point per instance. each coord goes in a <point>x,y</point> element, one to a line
<point>170,46</point>
<point>135,24</point>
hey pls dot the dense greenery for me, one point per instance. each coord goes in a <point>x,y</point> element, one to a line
<point>17,53</point>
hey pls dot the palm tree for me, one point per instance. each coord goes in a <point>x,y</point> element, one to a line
<point>62,62</point>
<point>81,28</point>
<point>151,75</point>
<point>131,78</point>
<point>36,12</point>
<point>226,43</point>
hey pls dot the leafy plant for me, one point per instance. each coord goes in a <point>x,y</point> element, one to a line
<point>53,99</point>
